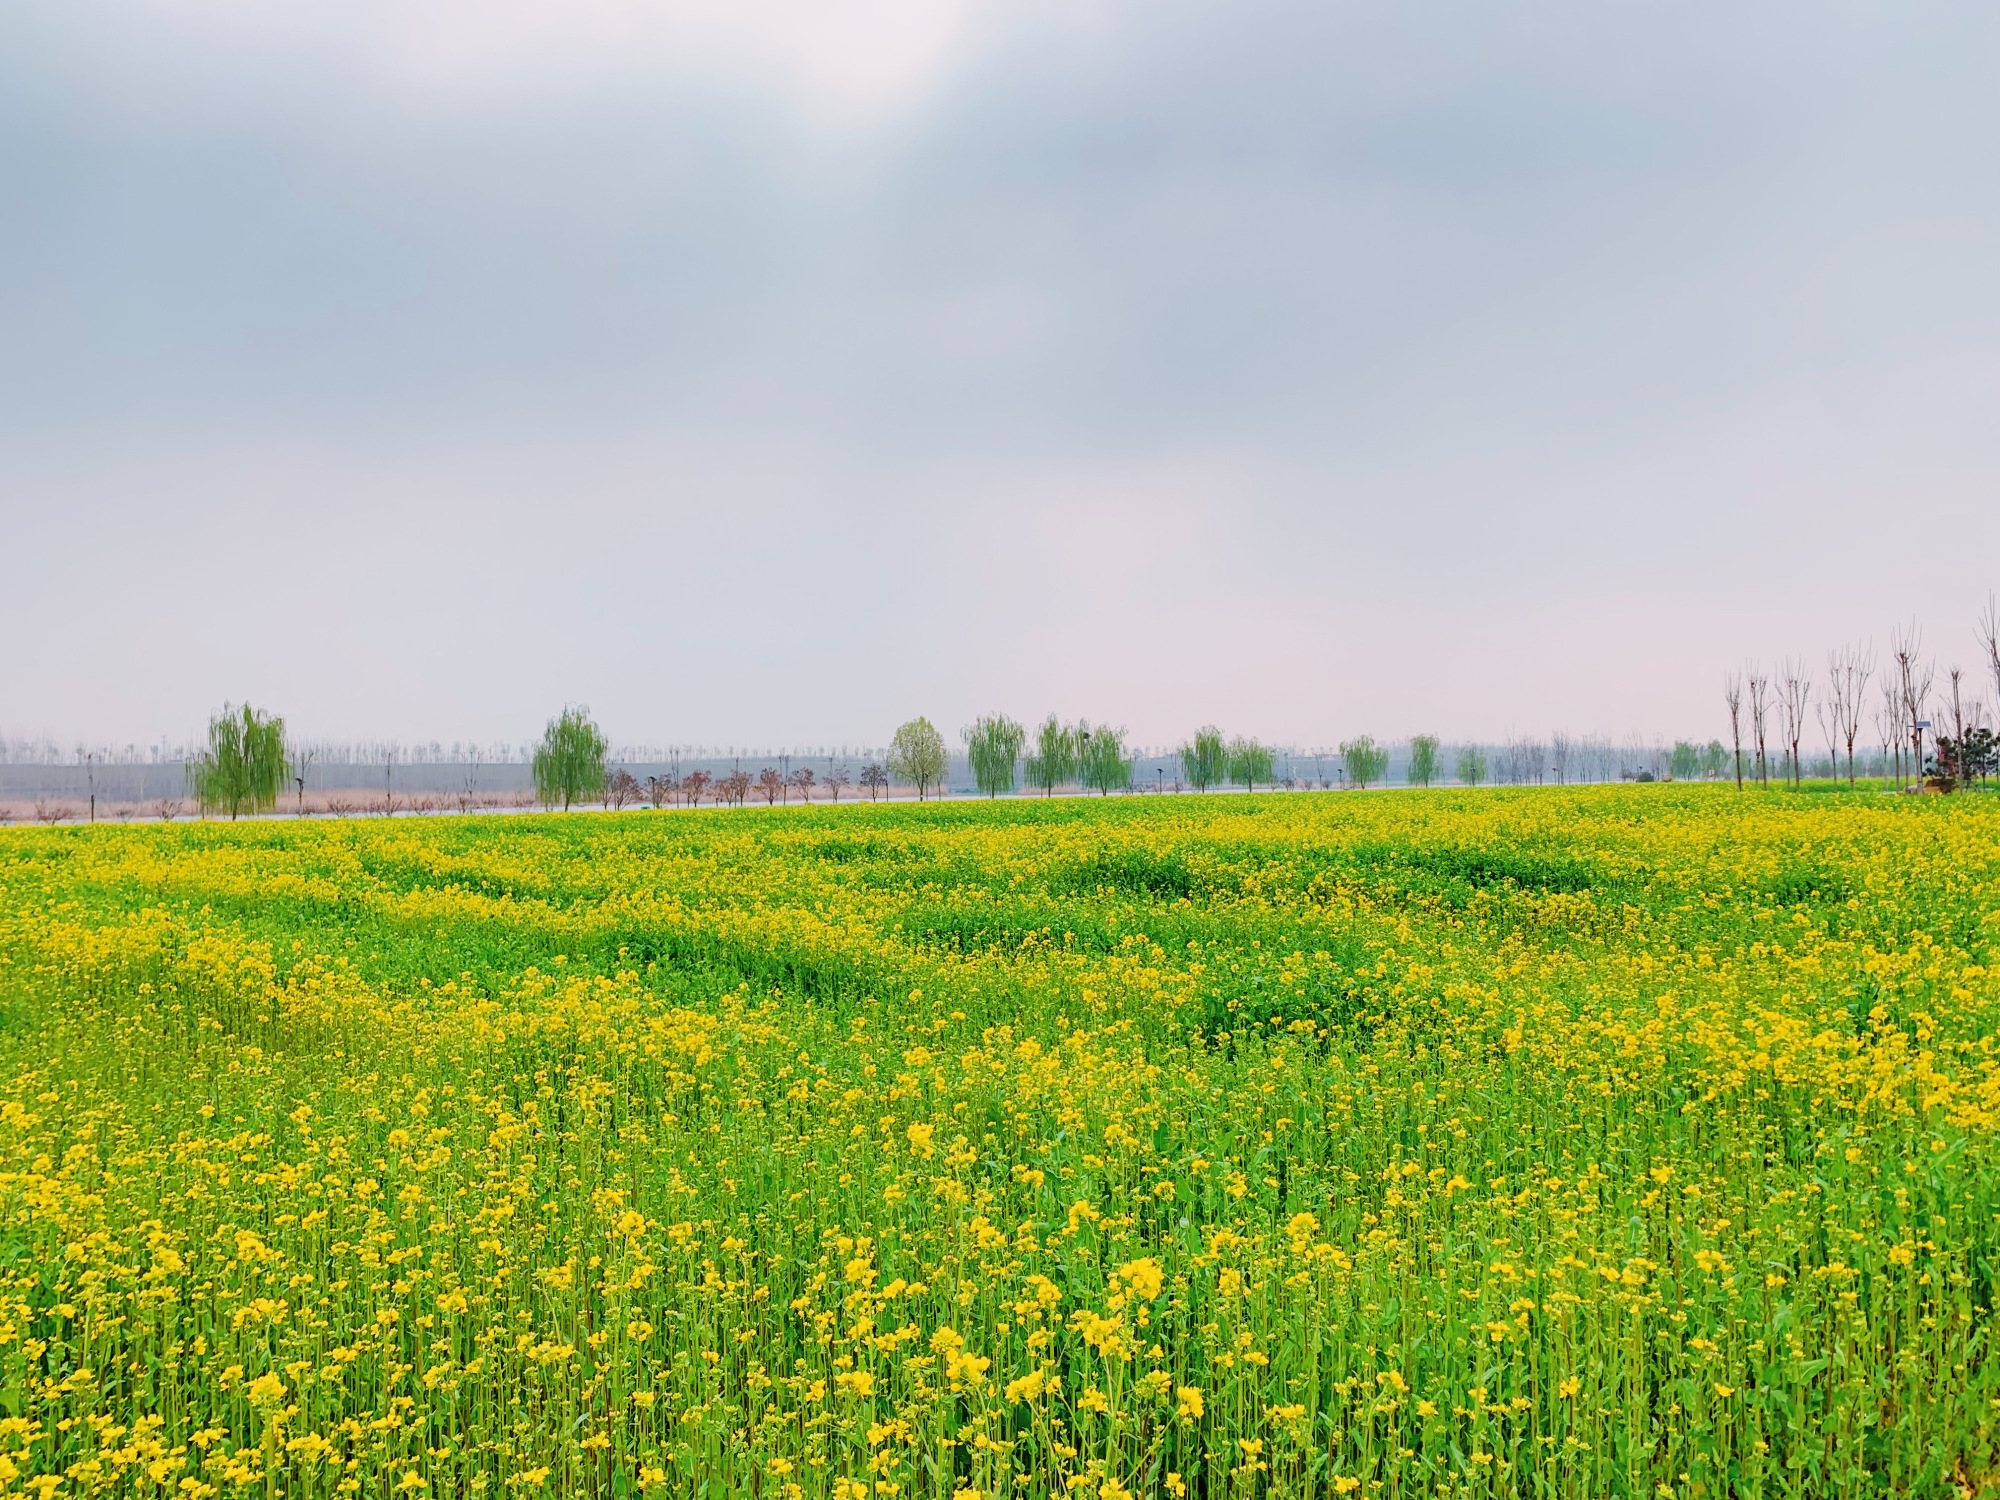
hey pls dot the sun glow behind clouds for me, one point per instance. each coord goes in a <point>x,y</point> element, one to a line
<point>852,64</point>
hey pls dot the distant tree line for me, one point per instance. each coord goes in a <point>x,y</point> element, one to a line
<point>247,761</point>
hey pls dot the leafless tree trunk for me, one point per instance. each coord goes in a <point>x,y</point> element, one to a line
<point>301,763</point>
<point>1914,678</point>
<point>1732,694</point>
<point>1847,674</point>
<point>1794,695</point>
<point>1760,708</point>
<point>389,802</point>
<point>1559,753</point>
<point>1889,724</point>
<point>1957,771</point>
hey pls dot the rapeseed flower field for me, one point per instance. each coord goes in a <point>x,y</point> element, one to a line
<point>1604,1142</point>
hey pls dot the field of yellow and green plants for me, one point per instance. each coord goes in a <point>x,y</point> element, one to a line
<point>1610,1142</point>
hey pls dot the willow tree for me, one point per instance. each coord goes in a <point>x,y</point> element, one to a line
<point>244,767</point>
<point>1106,766</point>
<point>1249,763</point>
<point>1366,761</point>
<point>569,762</point>
<point>1423,759</point>
<point>993,746</point>
<point>917,756</point>
<point>1471,765</point>
<point>1057,754</point>
<point>1206,760</point>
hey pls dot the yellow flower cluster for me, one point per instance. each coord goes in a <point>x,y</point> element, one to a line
<point>1608,1141</point>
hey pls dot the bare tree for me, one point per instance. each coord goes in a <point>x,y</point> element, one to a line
<point>1534,761</point>
<point>1955,773</point>
<point>302,759</point>
<point>621,788</point>
<point>875,779</point>
<point>1889,725</point>
<point>1847,674</point>
<point>771,784</point>
<point>694,785</point>
<point>835,781</point>
<point>1732,694</point>
<point>1914,679</point>
<point>1560,748</point>
<point>468,796</point>
<point>1794,696</point>
<point>1760,709</point>
<point>801,781</point>
<point>1829,725</point>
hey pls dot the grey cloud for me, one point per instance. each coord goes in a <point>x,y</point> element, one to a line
<point>1356,325</point>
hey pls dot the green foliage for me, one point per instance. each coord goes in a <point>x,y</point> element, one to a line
<point>1056,756</point>
<point>1685,763</point>
<point>1206,761</point>
<point>1714,756</point>
<point>1366,761</point>
<point>917,757</point>
<point>1423,759</point>
<point>244,767</point>
<point>993,746</point>
<point>1471,765</point>
<point>569,762</point>
<point>1106,766</point>
<point>1249,763</point>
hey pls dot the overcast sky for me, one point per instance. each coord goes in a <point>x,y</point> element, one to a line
<point>773,372</point>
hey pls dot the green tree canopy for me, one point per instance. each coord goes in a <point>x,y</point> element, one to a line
<point>569,762</point>
<point>244,767</point>
<point>1054,760</point>
<point>1205,762</point>
<point>917,756</point>
<point>1423,759</point>
<point>1249,763</point>
<point>1366,761</point>
<point>1106,766</point>
<point>993,746</point>
<point>1471,765</point>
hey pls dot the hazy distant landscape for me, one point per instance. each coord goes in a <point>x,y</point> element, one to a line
<point>433,779</point>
